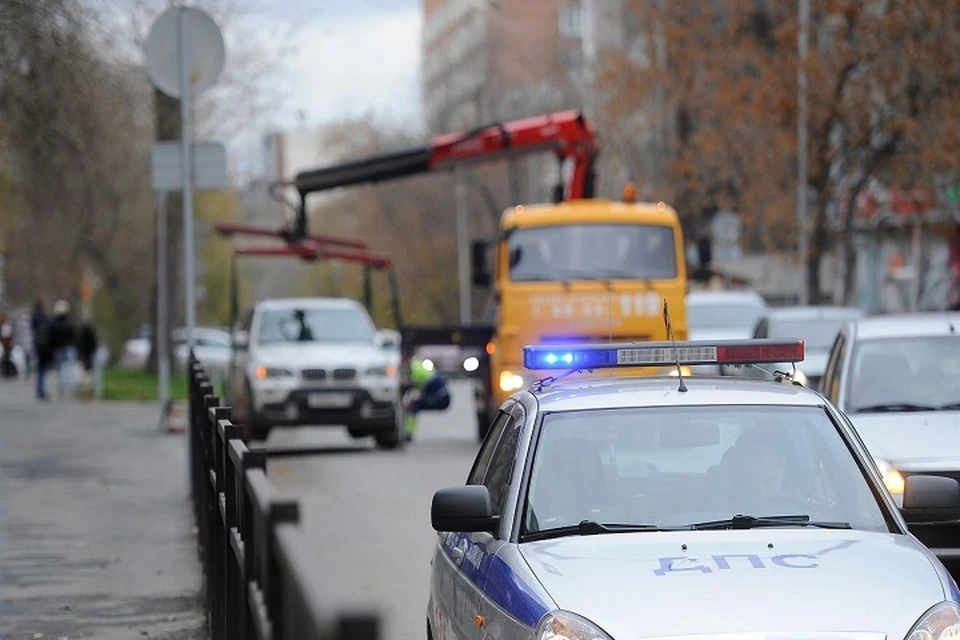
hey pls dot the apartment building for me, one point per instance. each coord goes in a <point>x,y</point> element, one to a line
<point>485,60</point>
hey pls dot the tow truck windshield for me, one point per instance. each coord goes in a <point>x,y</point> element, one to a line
<point>592,252</point>
<point>729,466</point>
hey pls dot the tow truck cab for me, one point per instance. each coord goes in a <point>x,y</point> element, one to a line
<point>581,271</point>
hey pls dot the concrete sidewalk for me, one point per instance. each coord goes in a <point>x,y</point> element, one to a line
<point>96,528</point>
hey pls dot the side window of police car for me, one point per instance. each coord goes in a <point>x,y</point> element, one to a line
<point>500,473</point>
<point>482,463</point>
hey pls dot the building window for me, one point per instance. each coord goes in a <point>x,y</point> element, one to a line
<point>571,60</point>
<point>571,20</point>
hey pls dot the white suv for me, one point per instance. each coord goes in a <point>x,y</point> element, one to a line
<point>316,361</point>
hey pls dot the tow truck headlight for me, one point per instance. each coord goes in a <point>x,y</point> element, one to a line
<point>471,364</point>
<point>892,479</point>
<point>940,622</point>
<point>563,625</point>
<point>510,381</point>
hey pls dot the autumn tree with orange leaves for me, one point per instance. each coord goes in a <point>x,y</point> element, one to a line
<point>713,94</point>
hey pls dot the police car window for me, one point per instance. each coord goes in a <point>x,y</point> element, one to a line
<point>480,465</point>
<point>673,466</point>
<point>499,474</point>
<point>592,252</point>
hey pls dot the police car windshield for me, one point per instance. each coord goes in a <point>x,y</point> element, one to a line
<point>314,325</point>
<point>905,374</point>
<point>592,252</point>
<point>667,467</point>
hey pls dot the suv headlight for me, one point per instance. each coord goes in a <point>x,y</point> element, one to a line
<point>940,622</point>
<point>383,371</point>
<point>563,625</point>
<point>263,372</point>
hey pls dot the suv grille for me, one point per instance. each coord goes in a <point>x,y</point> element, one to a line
<point>344,374</point>
<point>314,374</point>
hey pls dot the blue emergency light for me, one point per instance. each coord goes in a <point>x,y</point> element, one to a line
<point>661,354</point>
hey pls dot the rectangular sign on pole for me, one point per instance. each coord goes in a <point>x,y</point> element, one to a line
<point>209,166</point>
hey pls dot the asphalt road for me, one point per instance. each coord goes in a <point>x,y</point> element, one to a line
<point>367,512</point>
<point>95,523</point>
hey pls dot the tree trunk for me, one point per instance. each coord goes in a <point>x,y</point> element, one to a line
<point>818,246</point>
<point>167,127</point>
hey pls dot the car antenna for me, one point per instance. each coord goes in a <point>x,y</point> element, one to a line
<point>676,354</point>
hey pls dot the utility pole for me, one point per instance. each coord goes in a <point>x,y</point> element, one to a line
<point>463,265</point>
<point>802,176</point>
<point>186,163</point>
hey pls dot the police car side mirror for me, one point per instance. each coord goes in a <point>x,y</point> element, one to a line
<point>930,499</point>
<point>463,509</point>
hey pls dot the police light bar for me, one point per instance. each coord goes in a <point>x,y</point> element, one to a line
<point>660,354</point>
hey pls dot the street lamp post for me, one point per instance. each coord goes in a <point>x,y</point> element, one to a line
<point>802,175</point>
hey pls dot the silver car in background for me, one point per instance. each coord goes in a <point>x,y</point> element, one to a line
<point>722,315</point>
<point>897,377</point>
<point>817,326</point>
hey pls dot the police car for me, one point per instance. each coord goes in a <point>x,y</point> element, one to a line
<point>626,508</point>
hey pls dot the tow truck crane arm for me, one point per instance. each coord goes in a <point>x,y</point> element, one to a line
<point>566,133</point>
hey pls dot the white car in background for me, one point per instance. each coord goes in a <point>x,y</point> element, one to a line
<point>897,378</point>
<point>316,361</point>
<point>136,350</point>
<point>722,315</point>
<point>211,346</point>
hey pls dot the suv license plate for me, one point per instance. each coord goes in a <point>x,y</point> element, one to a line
<point>329,400</point>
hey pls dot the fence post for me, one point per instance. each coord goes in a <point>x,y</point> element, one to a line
<point>233,583</point>
<point>215,535</point>
<point>253,459</point>
<point>205,491</point>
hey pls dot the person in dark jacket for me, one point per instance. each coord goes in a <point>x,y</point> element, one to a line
<point>87,345</point>
<point>63,341</point>
<point>7,368</point>
<point>40,325</point>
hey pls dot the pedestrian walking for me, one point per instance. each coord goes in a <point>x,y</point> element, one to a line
<point>42,350</point>
<point>7,368</point>
<point>63,341</point>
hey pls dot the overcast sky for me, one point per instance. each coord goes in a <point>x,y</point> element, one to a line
<point>353,57</point>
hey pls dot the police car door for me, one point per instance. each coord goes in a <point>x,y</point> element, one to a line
<point>495,620</point>
<point>457,581</point>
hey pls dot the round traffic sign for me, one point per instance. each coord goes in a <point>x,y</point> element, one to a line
<point>205,44</point>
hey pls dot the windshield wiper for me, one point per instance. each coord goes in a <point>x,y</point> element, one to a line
<point>741,521</point>
<point>589,528</point>
<point>895,406</point>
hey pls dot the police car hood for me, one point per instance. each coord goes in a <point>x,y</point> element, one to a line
<point>915,441</point>
<point>646,585</point>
